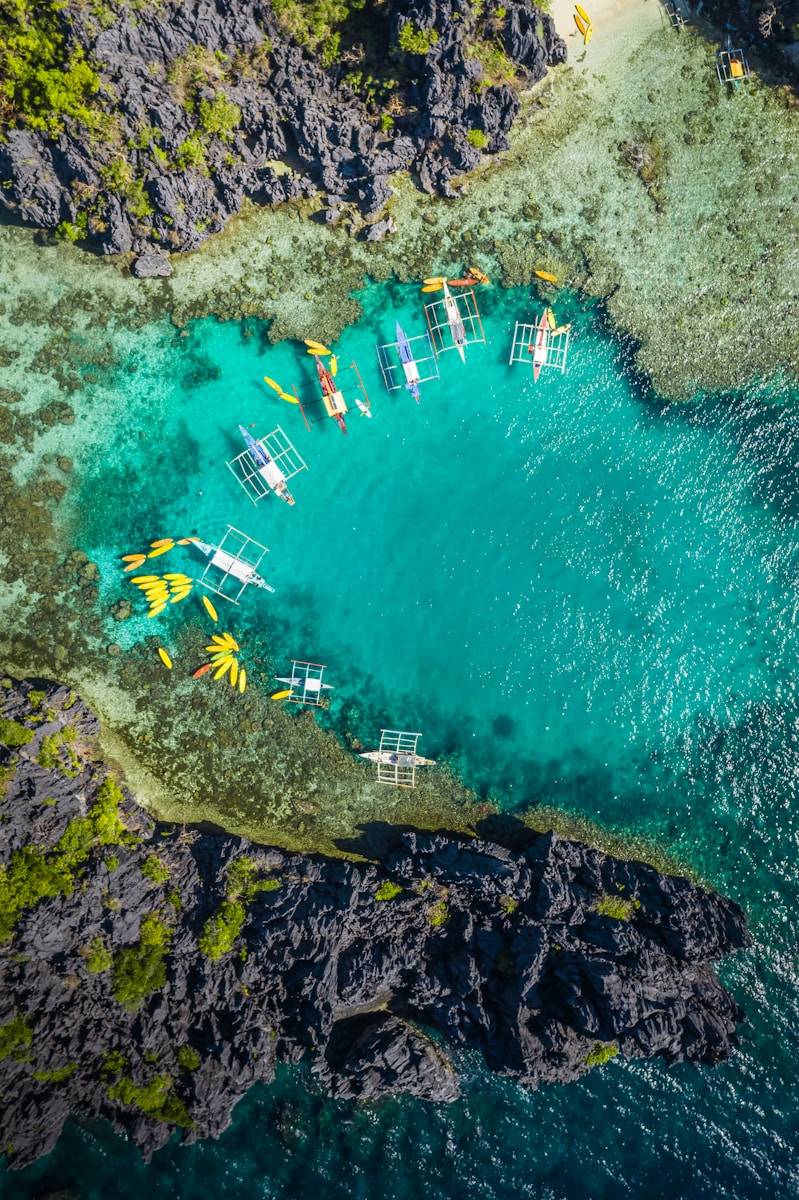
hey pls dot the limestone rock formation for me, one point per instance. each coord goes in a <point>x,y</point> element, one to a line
<point>151,974</point>
<point>201,106</point>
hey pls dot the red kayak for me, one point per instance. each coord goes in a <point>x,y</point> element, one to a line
<point>334,402</point>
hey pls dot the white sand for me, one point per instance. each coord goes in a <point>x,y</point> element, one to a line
<point>619,25</point>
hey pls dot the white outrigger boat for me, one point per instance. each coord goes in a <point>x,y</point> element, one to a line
<point>231,565</point>
<point>455,322</point>
<point>396,758</point>
<point>308,683</point>
<point>266,467</point>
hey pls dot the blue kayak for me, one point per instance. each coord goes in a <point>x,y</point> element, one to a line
<point>408,362</point>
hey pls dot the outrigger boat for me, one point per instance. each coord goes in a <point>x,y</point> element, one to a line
<point>309,683</point>
<point>332,398</point>
<point>230,565</point>
<point>456,326</point>
<point>409,367</point>
<point>267,468</point>
<point>539,350</point>
<point>394,758</point>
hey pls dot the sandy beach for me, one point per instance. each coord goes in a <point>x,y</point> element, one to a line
<point>618,26</point>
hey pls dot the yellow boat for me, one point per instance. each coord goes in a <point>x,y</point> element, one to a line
<point>582,13</point>
<point>589,33</point>
<point>546,276</point>
<point>736,70</point>
<point>165,659</point>
<point>161,542</point>
<point>281,695</point>
<point>157,609</point>
<point>209,608</point>
<point>551,322</point>
<point>242,680</point>
<point>581,25</point>
<point>161,550</point>
<point>223,669</point>
<point>234,672</point>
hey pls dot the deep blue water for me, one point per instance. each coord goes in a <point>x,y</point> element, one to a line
<point>585,598</point>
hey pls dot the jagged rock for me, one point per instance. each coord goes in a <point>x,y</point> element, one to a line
<point>374,972</point>
<point>293,111</point>
<point>378,230</point>
<point>152,264</point>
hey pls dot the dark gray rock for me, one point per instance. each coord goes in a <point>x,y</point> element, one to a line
<point>152,264</point>
<point>293,111</point>
<point>475,946</point>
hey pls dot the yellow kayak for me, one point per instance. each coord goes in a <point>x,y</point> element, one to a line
<point>242,680</point>
<point>161,550</point>
<point>223,669</point>
<point>280,695</point>
<point>582,13</point>
<point>432,287</point>
<point>551,322</point>
<point>161,542</point>
<point>234,673</point>
<point>157,609</point>
<point>547,277</point>
<point>589,33</point>
<point>581,25</point>
<point>209,608</point>
<point>165,659</point>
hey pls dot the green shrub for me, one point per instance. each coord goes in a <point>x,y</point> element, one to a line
<point>501,13</point>
<point>312,22</point>
<point>50,754</point>
<point>155,1099</point>
<point>114,1061</point>
<point>388,891</point>
<point>42,82</point>
<point>617,907</point>
<point>220,116</point>
<point>35,697</point>
<point>222,928</point>
<point>386,122</point>
<point>117,175</point>
<point>188,1058</point>
<point>602,1052</point>
<point>15,1038</point>
<point>477,138</point>
<point>13,735</point>
<point>497,67</point>
<point>414,40</point>
<point>56,1076</point>
<point>508,904</point>
<point>98,956</point>
<point>138,202</point>
<point>112,862</point>
<point>141,969</point>
<point>438,914</point>
<point>154,869</point>
<point>73,232</point>
<point>191,153</point>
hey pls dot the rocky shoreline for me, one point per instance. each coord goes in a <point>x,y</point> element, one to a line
<point>153,973</point>
<point>195,109</point>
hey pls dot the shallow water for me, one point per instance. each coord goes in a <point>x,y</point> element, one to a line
<point>582,597</point>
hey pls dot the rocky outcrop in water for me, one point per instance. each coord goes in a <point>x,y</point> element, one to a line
<point>203,106</point>
<point>152,974</point>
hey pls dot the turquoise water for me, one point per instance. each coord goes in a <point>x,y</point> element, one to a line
<point>582,598</point>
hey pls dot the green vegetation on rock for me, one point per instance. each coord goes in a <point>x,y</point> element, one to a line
<point>388,891</point>
<point>13,735</point>
<point>438,914</point>
<point>15,1038</point>
<point>39,872</point>
<point>155,870</point>
<point>155,1099</point>
<point>617,907</point>
<point>58,1075</point>
<point>602,1052</point>
<point>98,957</point>
<point>224,926</point>
<point>477,138</point>
<point>188,1058</point>
<point>43,81</point>
<point>219,116</point>
<point>312,23</point>
<point>414,40</point>
<point>141,969</point>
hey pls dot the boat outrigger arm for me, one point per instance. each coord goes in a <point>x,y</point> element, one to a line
<point>455,322</point>
<point>230,565</point>
<point>409,367</point>
<point>266,467</point>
